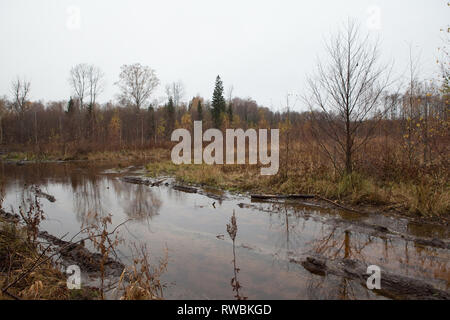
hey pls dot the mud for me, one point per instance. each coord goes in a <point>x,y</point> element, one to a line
<point>75,253</point>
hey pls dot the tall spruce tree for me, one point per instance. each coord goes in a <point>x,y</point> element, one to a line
<point>70,107</point>
<point>218,103</point>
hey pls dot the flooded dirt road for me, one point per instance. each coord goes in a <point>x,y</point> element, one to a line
<point>271,239</point>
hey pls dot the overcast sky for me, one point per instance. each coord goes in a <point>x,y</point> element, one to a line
<point>263,48</point>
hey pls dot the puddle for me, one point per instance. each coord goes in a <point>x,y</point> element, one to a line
<point>193,228</point>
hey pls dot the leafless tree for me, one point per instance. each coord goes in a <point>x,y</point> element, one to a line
<point>176,91</point>
<point>86,81</point>
<point>95,83</point>
<point>3,106</point>
<point>20,90</point>
<point>444,59</point>
<point>79,81</point>
<point>410,112</point>
<point>230,94</point>
<point>137,83</point>
<point>346,92</point>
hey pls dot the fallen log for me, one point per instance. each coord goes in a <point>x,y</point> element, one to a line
<point>157,183</point>
<point>287,196</point>
<point>300,196</point>
<point>185,189</point>
<point>392,285</point>
<point>136,180</point>
<point>75,253</point>
<point>88,261</point>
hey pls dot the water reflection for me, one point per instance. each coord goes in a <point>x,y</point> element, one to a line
<point>87,197</point>
<point>90,188</point>
<point>139,203</point>
<point>270,235</point>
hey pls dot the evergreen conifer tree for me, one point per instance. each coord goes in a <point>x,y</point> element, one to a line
<point>218,103</point>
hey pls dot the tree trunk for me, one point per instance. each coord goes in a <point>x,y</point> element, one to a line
<point>348,146</point>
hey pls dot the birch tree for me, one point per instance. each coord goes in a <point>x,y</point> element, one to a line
<point>345,92</point>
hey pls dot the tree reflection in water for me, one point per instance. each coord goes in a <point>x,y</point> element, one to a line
<point>138,201</point>
<point>93,194</point>
<point>291,223</point>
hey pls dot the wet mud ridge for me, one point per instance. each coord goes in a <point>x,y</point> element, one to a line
<point>178,187</point>
<point>74,253</point>
<point>392,285</point>
<point>140,180</point>
<point>382,231</point>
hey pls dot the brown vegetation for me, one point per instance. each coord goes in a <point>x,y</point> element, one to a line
<point>361,141</point>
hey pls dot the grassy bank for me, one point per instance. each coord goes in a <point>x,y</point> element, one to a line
<point>120,155</point>
<point>430,198</point>
<point>411,191</point>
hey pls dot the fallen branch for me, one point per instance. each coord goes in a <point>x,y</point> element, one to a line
<point>137,180</point>
<point>288,196</point>
<point>185,189</point>
<point>39,193</point>
<point>337,204</point>
<point>157,183</point>
<point>300,196</point>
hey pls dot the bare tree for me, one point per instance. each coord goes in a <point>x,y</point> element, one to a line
<point>3,106</point>
<point>86,81</point>
<point>175,90</point>
<point>230,93</point>
<point>137,83</point>
<point>95,87</point>
<point>346,92</point>
<point>20,90</point>
<point>96,82</point>
<point>410,112</point>
<point>79,81</point>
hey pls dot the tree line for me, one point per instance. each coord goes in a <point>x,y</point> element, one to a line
<point>351,99</point>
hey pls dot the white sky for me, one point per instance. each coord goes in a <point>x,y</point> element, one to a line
<point>263,48</point>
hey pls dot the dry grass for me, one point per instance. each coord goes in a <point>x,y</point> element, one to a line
<point>142,280</point>
<point>424,194</point>
<point>85,154</point>
<point>17,254</point>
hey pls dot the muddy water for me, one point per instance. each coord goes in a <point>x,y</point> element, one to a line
<point>271,237</point>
